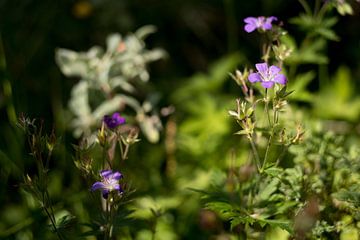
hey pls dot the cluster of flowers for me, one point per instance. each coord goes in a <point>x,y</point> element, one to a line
<point>109,178</point>
<point>266,75</point>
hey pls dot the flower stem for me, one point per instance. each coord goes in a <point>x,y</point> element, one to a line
<point>52,219</point>
<point>267,106</point>
<point>255,152</point>
<point>267,150</point>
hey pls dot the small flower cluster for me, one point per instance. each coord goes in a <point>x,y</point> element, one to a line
<point>109,178</point>
<point>262,23</point>
<point>266,75</point>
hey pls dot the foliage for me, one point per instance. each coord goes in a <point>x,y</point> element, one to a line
<point>287,169</point>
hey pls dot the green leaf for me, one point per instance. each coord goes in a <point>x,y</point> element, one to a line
<point>274,171</point>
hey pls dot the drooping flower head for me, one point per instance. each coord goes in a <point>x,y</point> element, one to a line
<point>268,76</point>
<point>109,183</point>
<point>114,120</point>
<point>262,23</point>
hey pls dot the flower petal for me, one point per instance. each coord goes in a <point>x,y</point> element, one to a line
<point>117,176</point>
<point>266,26</point>
<point>274,70</point>
<point>254,77</point>
<point>249,27</point>
<point>118,119</point>
<point>267,84</point>
<point>97,185</point>
<point>271,18</point>
<point>106,173</point>
<point>262,68</point>
<point>105,193</point>
<point>280,78</point>
<point>117,187</point>
<point>250,20</point>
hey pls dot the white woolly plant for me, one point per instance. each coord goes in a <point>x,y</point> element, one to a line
<point>108,82</point>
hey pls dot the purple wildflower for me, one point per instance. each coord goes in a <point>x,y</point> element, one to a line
<point>108,183</point>
<point>268,76</point>
<point>263,23</point>
<point>114,120</point>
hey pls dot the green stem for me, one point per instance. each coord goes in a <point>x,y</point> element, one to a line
<point>255,152</point>
<point>107,231</point>
<point>267,150</point>
<point>53,223</point>
<point>267,107</point>
<point>105,158</point>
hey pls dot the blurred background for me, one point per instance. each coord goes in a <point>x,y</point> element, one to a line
<point>204,40</point>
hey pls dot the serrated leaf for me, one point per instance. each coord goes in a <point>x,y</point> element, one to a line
<point>269,189</point>
<point>274,171</point>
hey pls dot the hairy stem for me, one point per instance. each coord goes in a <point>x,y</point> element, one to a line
<point>255,152</point>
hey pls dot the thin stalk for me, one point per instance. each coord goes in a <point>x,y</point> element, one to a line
<point>126,151</point>
<point>267,107</point>
<point>267,150</point>
<point>107,232</point>
<point>255,152</point>
<point>53,223</point>
<point>105,158</point>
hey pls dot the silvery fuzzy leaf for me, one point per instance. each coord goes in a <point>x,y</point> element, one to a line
<point>150,127</point>
<point>112,42</point>
<point>133,44</point>
<point>121,82</point>
<point>71,63</point>
<point>145,31</point>
<point>154,54</point>
<point>79,102</point>
<point>131,102</point>
<point>107,107</point>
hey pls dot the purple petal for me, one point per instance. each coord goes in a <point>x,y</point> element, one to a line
<point>266,26</point>
<point>118,119</point>
<point>274,70</point>
<point>271,18</point>
<point>97,185</point>
<point>254,77</point>
<point>249,28</point>
<point>105,193</point>
<point>250,20</point>
<point>262,68</point>
<point>280,78</point>
<point>117,176</point>
<point>117,187</point>
<point>267,84</point>
<point>105,173</point>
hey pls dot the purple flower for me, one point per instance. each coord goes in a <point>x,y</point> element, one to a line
<point>108,183</point>
<point>263,23</point>
<point>114,120</point>
<point>268,76</point>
